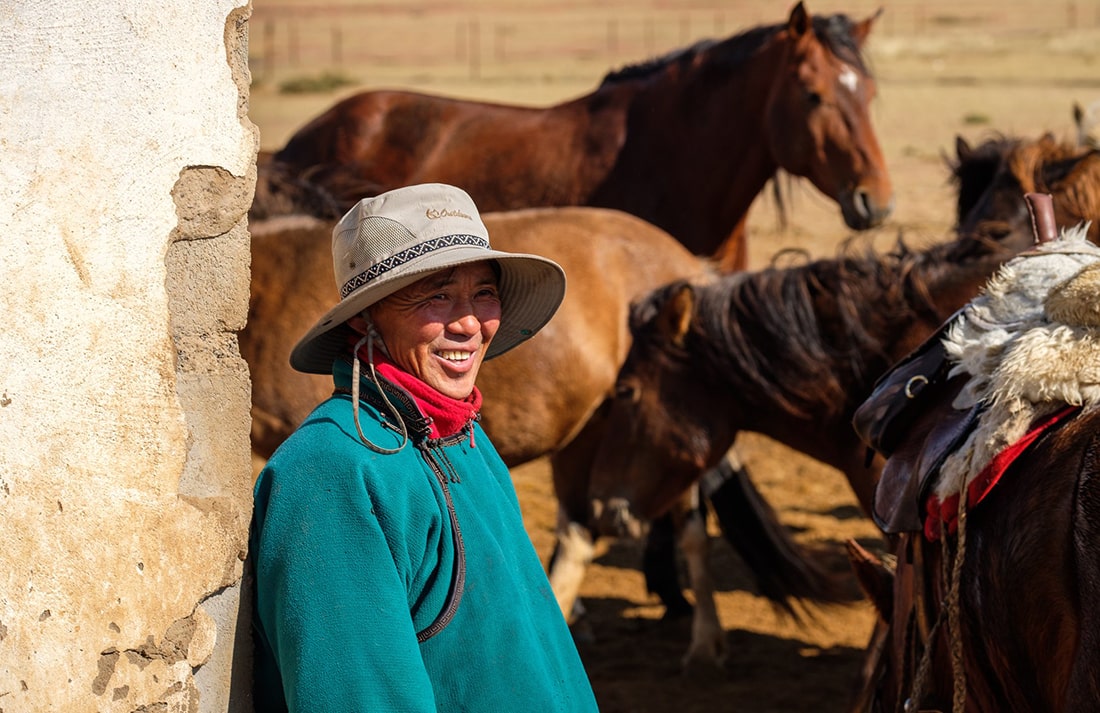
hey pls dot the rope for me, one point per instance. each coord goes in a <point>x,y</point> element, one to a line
<point>951,608</point>
<point>958,701</point>
<point>912,704</point>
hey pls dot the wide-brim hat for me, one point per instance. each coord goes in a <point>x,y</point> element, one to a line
<point>394,239</point>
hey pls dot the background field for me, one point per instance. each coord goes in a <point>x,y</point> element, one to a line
<point>945,69</point>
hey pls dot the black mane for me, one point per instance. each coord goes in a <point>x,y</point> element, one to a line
<point>834,31</point>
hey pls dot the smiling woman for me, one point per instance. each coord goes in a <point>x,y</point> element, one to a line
<point>438,330</point>
<point>371,518</point>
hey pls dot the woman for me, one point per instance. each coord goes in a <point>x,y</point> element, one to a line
<point>393,571</point>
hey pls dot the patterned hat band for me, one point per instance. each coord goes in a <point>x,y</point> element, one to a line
<point>388,242</point>
<point>408,255</point>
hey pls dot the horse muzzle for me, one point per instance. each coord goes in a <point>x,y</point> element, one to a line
<point>862,210</point>
<point>616,519</point>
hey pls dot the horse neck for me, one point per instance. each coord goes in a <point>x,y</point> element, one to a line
<point>722,139</point>
<point>943,282</point>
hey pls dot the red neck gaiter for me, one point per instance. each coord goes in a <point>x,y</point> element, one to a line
<point>448,416</point>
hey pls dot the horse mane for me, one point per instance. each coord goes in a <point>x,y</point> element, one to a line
<point>973,169</point>
<point>1011,167</point>
<point>834,31</point>
<point>809,337</point>
<point>324,190</point>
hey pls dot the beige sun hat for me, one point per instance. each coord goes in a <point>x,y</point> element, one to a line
<point>392,240</point>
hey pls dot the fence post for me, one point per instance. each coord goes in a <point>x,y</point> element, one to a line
<point>292,45</point>
<point>269,50</point>
<point>474,49</point>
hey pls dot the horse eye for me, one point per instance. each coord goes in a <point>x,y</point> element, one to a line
<point>628,392</point>
<point>814,99</point>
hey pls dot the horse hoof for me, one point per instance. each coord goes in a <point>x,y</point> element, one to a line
<point>708,667</point>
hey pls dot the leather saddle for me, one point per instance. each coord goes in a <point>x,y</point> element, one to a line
<point>909,418</point>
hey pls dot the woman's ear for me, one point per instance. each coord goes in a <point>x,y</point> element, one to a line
<point>360,324</point>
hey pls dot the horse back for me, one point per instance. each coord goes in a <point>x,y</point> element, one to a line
<point>506,157</point>
<point>538,396</point>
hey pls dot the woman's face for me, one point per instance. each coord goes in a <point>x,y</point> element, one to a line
<point>438,329</point>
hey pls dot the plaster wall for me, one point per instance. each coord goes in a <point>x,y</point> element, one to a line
<point>127,164</point>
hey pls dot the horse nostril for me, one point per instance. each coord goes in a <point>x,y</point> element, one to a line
<point>867,210</point>
<point>863,204</point>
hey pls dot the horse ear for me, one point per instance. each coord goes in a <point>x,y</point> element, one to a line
<point>674,319</point>
<point>863,28</point>
<point>962,149</point>
<point>798,24</point>
<point>876,581</point>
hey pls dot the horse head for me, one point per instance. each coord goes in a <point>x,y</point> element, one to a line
<point>818,114</point>
<point>668,452</point>
<point>993,177</point>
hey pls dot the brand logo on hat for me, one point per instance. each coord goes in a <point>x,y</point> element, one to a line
<point>435,213</point>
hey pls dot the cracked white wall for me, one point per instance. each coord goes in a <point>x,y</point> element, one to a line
<point>127,163</point>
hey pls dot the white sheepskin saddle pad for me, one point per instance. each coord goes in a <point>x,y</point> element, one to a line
<point>1030,343</point>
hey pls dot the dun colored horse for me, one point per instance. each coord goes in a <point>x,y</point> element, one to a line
<point>538,398</point>
<point>995,608</point>
<point>685,141</point>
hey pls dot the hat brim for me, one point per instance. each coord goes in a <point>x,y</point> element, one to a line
<point>531,290</point>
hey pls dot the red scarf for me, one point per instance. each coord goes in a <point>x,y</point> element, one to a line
<point>447,416</point>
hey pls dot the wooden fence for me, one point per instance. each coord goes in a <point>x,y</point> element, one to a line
<point>403,39</point>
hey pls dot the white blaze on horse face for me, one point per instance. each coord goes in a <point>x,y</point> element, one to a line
<point>849,79</point>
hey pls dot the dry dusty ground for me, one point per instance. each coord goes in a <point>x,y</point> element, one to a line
<point>933,87</point>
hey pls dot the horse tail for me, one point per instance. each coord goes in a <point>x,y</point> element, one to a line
<point>783,570</point>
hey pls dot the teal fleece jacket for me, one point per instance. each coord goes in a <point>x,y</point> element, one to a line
<point>402,582</point>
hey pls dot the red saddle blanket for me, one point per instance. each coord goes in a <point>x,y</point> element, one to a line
<point>947,511</point>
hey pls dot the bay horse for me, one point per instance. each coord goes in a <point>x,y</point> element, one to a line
<point>995,608</point>
<point>807,343</point>
<point>544,398</point>
<point>685,141</point>
<point>788,352</point>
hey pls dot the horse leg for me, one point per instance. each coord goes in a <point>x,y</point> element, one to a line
<point>575,547</point>
<point>573,552</point>
<point>662,575</point>
<point>708,640</point>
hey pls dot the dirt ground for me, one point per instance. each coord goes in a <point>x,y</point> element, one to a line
<point>932,88</point>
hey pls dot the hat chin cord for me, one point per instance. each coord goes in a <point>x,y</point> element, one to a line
<point>369,340</point>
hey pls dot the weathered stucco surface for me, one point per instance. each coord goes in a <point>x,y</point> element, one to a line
<point>127,163</point>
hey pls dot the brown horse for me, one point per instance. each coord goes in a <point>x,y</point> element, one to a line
<point>685,141</point>
<point>806,344</point>
<point>787,352</point>
<point>998,612</point>
<point>993,178</point>
<point>540,399</point>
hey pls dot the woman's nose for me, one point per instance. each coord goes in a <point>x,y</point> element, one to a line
<point>464,320</point>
